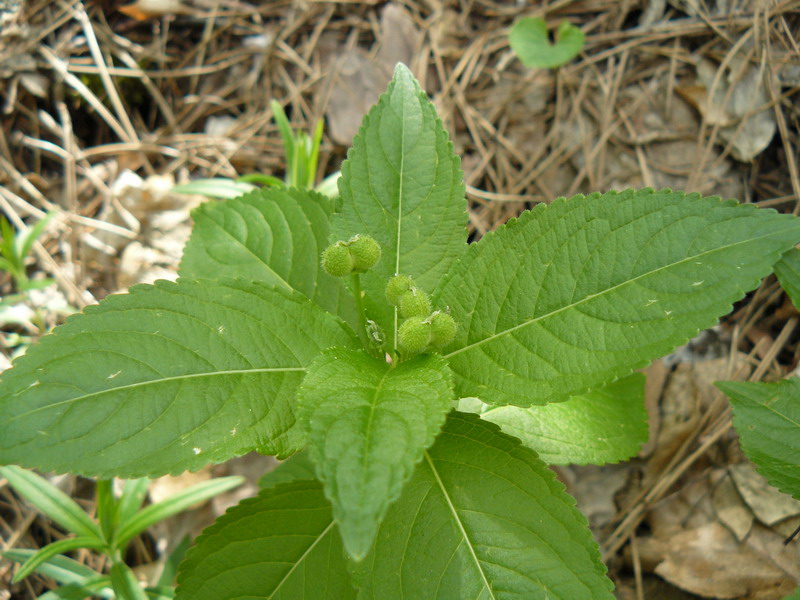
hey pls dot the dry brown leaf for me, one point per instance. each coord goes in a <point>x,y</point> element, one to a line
<point>768,504</point>
<point>711,562</point>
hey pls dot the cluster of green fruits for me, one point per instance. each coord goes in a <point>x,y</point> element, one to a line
<point>422,328</point>
<point>357,255</point>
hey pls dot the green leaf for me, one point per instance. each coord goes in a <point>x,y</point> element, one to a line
<point>282,544</point>
<point>99,585</point>
<point>530,41</point>
<point>794,595</point>
<point>402,184</point>
<point>64,570</point>
<point>167,378</point>
<point>51,501</point>
<point>130,501</point>
<point>603,426</point>
<point>483,517</point>
<point>767,418</point>
<point>125,583</point>
<point>574,295</point>
<point>368,424</point>
<point>173,505</point>
<point>297,467</point>
<point>275,236</point>
<point>788,271</point>
<point>54,549</point>
<point>215,188</point>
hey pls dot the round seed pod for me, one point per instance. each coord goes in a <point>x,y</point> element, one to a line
<point>337,261</point>
<point>414,335</point>
<point>415,303</point>
<point>397,286</point>
<point>443,329</point>
<point>366,252</point>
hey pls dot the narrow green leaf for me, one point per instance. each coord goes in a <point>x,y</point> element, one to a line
<point>368,424</point>
<point>767,418</point>
<point>603,426</point>
<point>483,517</point>
<point>297,467</point>
<point>176,503</point>
<point>794,595</point>
<point>275,236</point>
<point>531,43</point>
<point>51,501</point>
<point>130,501</point>
<point>281,545</point>
<point>107,508</point>
<point>169,573</point>
<point>167,378</point>
<point>574,295</point>
<point>54,549</point>
<point>788,271</point>
<point>99,585</point>
<point>215,188</point>
<point>125,583</point>
<point>402,184</point>
<point>61,568</point>
<point>32,234</point>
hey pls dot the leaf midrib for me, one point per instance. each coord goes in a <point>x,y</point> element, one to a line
<point>308,551</point>
<point>258,258</point>
<point>460,525</point>
<point>139,384</point>
<point>604,292</point>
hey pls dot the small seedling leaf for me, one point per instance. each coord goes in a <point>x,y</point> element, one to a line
<point>529,40</point>
<point>296,468</point>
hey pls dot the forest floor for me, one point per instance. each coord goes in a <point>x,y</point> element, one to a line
<point>104,108</point>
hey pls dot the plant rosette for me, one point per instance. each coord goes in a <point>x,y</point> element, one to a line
<point>422,473</point>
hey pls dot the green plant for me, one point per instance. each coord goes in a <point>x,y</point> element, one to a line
<point>531,43</point>
<point>257,347</point>
<point>15,249</point>
<point>119,520</point>
<point>302,155</point>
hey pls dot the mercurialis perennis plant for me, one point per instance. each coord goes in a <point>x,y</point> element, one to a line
<point>428,382</point>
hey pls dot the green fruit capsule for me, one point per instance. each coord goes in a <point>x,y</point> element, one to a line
<point>337,261</point>
<point>415,303</point>
<point>414,335</point>
<point>397,286</point>
<point>366,252</point>
<point>443,329</point>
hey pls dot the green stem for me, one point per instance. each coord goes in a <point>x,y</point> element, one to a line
<point>362,314</point>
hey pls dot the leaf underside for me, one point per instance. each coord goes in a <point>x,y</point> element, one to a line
<point>275,236</point>
<point>282,544</point>
<point>166,378</point>
<point>767,418</point>
<point>788,271</point>
<point>368,425</point>
<point>483,517</point>
<point>574,295</point>
<point>402,184</point>
<point>603,426</point>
